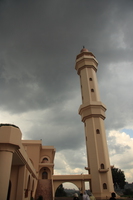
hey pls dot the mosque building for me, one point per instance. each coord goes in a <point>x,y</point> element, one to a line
<point>27,167</point>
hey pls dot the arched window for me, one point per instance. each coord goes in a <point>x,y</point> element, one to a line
<point>44,175</point>
<point>98,131</point>
<point>32,190</point>
<point>45,160</point>
<point>90,79</point>
<point>92,90</point>
<point>102,166</point>
<point>104,186</point>
<point>28,187</point>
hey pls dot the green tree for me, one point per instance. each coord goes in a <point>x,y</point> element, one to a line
<point>118,178</point>
<point>60,192</point>
<point>128,192</point>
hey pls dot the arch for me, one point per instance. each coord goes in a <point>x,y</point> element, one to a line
<point>32,189</point>
<point>104,186</point>
<point>32,186</point>
<point>28,183</point>
<point>45,159</point>
<point>77,184</point>
<point>68,182</point>
<point>44,175</point>
<point>28,187</point>
<point>82,182</point>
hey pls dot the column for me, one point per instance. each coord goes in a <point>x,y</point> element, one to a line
<point>6,154</point>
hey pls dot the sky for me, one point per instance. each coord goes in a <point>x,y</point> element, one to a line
<point>39,86</point>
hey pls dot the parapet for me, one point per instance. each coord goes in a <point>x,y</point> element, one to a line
<point>10,134</point>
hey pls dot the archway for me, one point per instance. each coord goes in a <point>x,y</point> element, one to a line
<point>32,189</point>
<point>73,187</point>
<point>67,189</point>
<point>44,173</point>
<point>28,187</point>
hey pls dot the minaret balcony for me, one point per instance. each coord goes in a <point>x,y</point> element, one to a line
<point>85,59</point>
<point>88,169</point>
<point>86,62</point>
<point>103,170</point>
<point>95,109</point>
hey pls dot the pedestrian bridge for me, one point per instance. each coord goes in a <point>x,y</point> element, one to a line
<point>78,180</point>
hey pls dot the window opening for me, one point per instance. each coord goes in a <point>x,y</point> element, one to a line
<point>28,187</point>
<point>104,186</point>
<point>44,160</point>
<point>44,175</point>
<point>102,166</point>
<point>98,131</point>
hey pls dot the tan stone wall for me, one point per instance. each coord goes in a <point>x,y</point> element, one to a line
<point>44,188</point>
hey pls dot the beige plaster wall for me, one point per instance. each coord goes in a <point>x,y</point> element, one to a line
<point>33,148</point>
<point>48,151</point>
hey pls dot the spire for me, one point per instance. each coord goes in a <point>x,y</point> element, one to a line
<point>84,50</point>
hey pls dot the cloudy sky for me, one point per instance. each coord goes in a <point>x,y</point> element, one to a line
<point>39,87</point>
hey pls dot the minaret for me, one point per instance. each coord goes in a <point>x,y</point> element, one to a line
<point>92,113</point>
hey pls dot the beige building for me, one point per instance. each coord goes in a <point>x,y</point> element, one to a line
<point>27,167</point>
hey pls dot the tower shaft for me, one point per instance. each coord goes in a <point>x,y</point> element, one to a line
<point>92,113</point>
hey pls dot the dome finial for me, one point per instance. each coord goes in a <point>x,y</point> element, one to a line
<point>84,49</point>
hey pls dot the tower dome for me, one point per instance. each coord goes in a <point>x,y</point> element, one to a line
<point>84,50</point>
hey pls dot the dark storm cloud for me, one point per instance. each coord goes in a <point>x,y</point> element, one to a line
<point>59,128</point>
<point>39,41</point>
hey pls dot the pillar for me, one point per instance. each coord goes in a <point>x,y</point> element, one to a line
<point>6,154</point>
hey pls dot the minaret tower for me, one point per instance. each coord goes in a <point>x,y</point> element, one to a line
<point>92,113</point>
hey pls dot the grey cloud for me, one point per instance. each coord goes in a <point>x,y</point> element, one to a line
<point>115,147</point>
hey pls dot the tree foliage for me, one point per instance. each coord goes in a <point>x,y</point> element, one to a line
<point>118,178</point>
<point>128,192</point>
<point>60,192</point>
